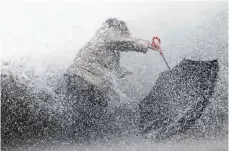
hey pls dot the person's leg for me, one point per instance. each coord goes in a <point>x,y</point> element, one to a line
<point>88,104</point>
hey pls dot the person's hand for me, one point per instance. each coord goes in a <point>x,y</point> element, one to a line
<point>156,44</point>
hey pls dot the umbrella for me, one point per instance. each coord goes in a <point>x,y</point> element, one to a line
<point>178,98</point>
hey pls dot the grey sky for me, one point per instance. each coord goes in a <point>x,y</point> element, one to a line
<point>52,32</point>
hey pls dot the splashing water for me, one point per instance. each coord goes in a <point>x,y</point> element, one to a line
<point>41,82</point>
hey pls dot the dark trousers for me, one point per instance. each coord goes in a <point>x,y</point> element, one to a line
<point>88,105</point>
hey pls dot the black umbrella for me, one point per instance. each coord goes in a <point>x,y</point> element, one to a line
<point>178,98</point>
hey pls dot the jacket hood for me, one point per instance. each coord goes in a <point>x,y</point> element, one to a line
<point>111,29</point>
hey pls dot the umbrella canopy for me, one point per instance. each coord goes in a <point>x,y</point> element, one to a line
<point>178,98</point>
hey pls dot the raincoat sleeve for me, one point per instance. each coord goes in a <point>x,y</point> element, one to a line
<point>130,44</point>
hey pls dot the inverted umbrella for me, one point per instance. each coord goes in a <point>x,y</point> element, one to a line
<point>178,98</point>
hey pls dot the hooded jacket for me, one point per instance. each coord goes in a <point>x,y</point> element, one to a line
<point>99,60</point>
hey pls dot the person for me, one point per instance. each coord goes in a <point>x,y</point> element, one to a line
<point>100,57</point>
<point>90,77</point>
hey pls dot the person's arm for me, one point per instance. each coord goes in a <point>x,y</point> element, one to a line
<point>131,44</point>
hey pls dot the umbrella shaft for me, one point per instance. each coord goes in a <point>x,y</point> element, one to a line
<point>165,61</point>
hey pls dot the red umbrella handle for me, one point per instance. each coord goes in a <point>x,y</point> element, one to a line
<point>161,53</point>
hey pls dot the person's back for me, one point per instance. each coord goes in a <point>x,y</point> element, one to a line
<point>100,58</point>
